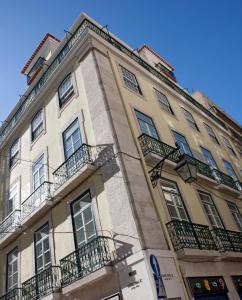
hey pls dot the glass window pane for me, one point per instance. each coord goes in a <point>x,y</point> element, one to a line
<point>182,142</point>
<point>72,139</point>
<point>146,125</point>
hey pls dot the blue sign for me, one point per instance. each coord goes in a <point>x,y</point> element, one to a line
<point>160,289</point>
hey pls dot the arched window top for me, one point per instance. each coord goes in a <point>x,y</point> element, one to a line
<point>65,89</point>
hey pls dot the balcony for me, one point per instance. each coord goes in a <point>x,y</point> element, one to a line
<point>78,166</point>
<point>154,149</point>
<point>192,242</point>
<point>44,283</point>
<point>204,172</point>
<point>9,226</point>
<point>93,258</point>
<point>226,182</point>
<point>15,294</point>
<point>39,201</point>
<point>229,242</point>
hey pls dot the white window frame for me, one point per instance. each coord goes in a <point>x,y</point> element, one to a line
<point>211,162</point>
<point>70,127</point>
<point>163,101</point>
<point>39,166</point>
<point>229,146</point>
<point>211,134</point>
<point>68,90</point>
<point>80,213</point>
<point>130,80</point>
<point>148,128</point>
<point>210,210</point>
<point>14,188</point>
<point>184,146</point>
<point>14,153</point>
<point>174,201</point>
<point>235,212</point>
<point>39,127</point>
<point>10,263</point>
<point>190,119</point>
<point>41,242</point>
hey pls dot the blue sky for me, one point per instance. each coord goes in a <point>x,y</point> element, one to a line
<point>202,39</point>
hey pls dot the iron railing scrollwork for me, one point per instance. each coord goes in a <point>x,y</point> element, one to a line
<point>184,234</point>
<point>10,223</point>
<point>42,193</point>
<point>149,144</point>
<point>202,168</point>
<point>87,24</point>
<point>42,284</point>
<point>85,260</point>
<point>228,240</point>
<point>81,157</point>
<point>14,294</point>
<point>224,179</point>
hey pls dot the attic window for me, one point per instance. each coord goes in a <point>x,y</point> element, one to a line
<point>164,70</point>
<point>35,69</point>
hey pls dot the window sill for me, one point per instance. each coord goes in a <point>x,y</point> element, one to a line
<point>37,138</point>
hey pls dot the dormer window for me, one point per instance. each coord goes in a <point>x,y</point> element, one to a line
<point>166,71</point>
<point>65,90</point>
<point>35,69</point>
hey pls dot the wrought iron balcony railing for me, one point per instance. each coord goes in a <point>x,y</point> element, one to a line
<point>228,240</point>
<point>10,223</point>
<point>77,35</point>
<point>72,165</point>
<point>44,283</point>
<point>224,179</point>
<point>42,193</point>
<point>149,144</point>
<point>85,260</point>
<point>14,294</point>
<point>189,235</point>
<point>202,168</point>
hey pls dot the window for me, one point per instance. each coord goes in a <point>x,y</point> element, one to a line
<point>236,214</point>
<point>12,270</point>
<point>190,119</point>
<point>174,200</point>
<point>230,169</point>
<point>13,198</point>
<point>182,142</point>
<point>211,134</point>
<point>38,173</point>
<point>163,101</point>
<point>131,81</point>
<point>14,153</point>
<point>209,158</point>
<point>42,249</point>
<point>65,90</point>
<point>37,125</point>
<point>83,220</point>
<point>146,125</point>
<point>211,210</point>
<point>229,147</point>
<point>72,139</point>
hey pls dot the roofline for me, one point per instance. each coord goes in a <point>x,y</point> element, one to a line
<point>38,49</point>
<point>157,55</point>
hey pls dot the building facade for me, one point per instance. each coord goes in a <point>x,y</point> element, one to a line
<point>80,216</point>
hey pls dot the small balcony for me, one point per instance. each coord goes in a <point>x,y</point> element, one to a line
<point>204,172</point>
<point>154,149</point>
<point>192,242</point>
<point>93,258</point>
<point>78,167</point>
<point>228,242</point>
<point>15,294</point>
<point>42,284</point>
<point>10,225</point>
<point>38,201</point>
<point>226,182</point>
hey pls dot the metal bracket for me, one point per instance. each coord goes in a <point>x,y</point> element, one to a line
<point>156,171</point>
